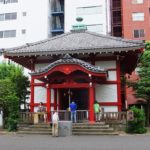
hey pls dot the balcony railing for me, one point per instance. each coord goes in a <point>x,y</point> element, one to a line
<point>57,30</point>
<point>82,116</point>
<point>57,11</point>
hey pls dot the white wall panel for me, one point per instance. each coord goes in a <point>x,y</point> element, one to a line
<point>106,64</point>
<point>110,108</point>
<point>112,76</point>
<point>40,94</point>
<point>106,93</point>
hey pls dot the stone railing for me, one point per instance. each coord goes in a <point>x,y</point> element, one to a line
<point>113,116</point>
<point>82,116</point>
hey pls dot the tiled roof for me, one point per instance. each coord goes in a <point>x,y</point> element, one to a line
<point>67,59</point>
<point>76,42</point>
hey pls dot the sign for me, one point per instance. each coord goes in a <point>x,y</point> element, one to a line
<point>130,115</point>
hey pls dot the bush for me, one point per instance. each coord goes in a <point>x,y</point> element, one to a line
<point>138,124</point>
<point>12,123</point>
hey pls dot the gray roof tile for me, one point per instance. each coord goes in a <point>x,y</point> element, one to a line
<point>76,42</point>
<point>67,59</point>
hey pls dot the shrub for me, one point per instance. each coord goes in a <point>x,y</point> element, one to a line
<point>138,124</point>
<point>12,122</point>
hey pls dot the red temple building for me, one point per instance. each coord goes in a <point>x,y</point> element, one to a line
<point>81,66</point>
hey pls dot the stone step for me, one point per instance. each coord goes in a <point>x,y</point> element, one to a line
<point>95,133</point>
<point>34,129</point>
<point>37,127</point>
<point>77,129</point>
<point>93,130</point>
<point>91,127</point>
<point>91,123</point>
<point>34,126</point>
<point>35,132</point>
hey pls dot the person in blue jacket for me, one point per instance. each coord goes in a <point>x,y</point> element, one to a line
<point>73,109</point>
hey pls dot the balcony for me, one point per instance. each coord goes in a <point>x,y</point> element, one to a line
<point>116,4</point>
<point>57,30</point>
<point>58,11</point>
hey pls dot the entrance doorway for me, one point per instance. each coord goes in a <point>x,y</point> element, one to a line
<point>78,95</point>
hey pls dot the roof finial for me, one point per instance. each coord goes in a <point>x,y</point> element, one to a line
<point>79,19</point>
<point>79,26</point>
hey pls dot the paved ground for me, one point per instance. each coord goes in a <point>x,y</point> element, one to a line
<point>45,142</point>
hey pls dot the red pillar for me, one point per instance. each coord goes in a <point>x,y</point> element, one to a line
<point>91,103</point>
<point>119,86</point>
<point>48,102</point>
<point>55,99</point>
<point>32,95</point>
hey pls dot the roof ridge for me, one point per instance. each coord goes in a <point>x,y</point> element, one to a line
<point>116,38</point>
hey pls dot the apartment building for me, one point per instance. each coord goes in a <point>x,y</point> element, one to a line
<point>23,21</point>
<point>130,19</point>
<point>27,21</point>
<point>136,19</point>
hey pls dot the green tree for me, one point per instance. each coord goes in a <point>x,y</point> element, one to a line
<point>20,81</point>
<point>8,99</point>
<point>21,85</point>
<point>13,91</point>
<point>142,87</point>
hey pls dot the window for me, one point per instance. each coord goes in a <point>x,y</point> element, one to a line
<point>1,1</point>
<point>24,13</point>
<point>11,16</point>
<point>137,1</point>
<point>138,16</point>
<point>89,10</point>
<point>2,17</point>
<point>8,16</point>
<point>10,1</point>
<point>23,31</point>
<point>1,34</point>
<point>7,33</point>
<point>139,33</point>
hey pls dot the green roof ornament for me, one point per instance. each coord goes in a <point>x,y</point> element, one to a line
<point>79,25</point>
<point>79,19</point>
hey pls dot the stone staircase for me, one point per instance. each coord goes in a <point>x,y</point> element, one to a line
<point>41,129</point>
<point>78,129</point>
<point>93,129</point>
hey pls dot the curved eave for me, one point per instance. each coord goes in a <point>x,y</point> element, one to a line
<point>60,67</point>
<point>48,69</point>
<point>73,51</point>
